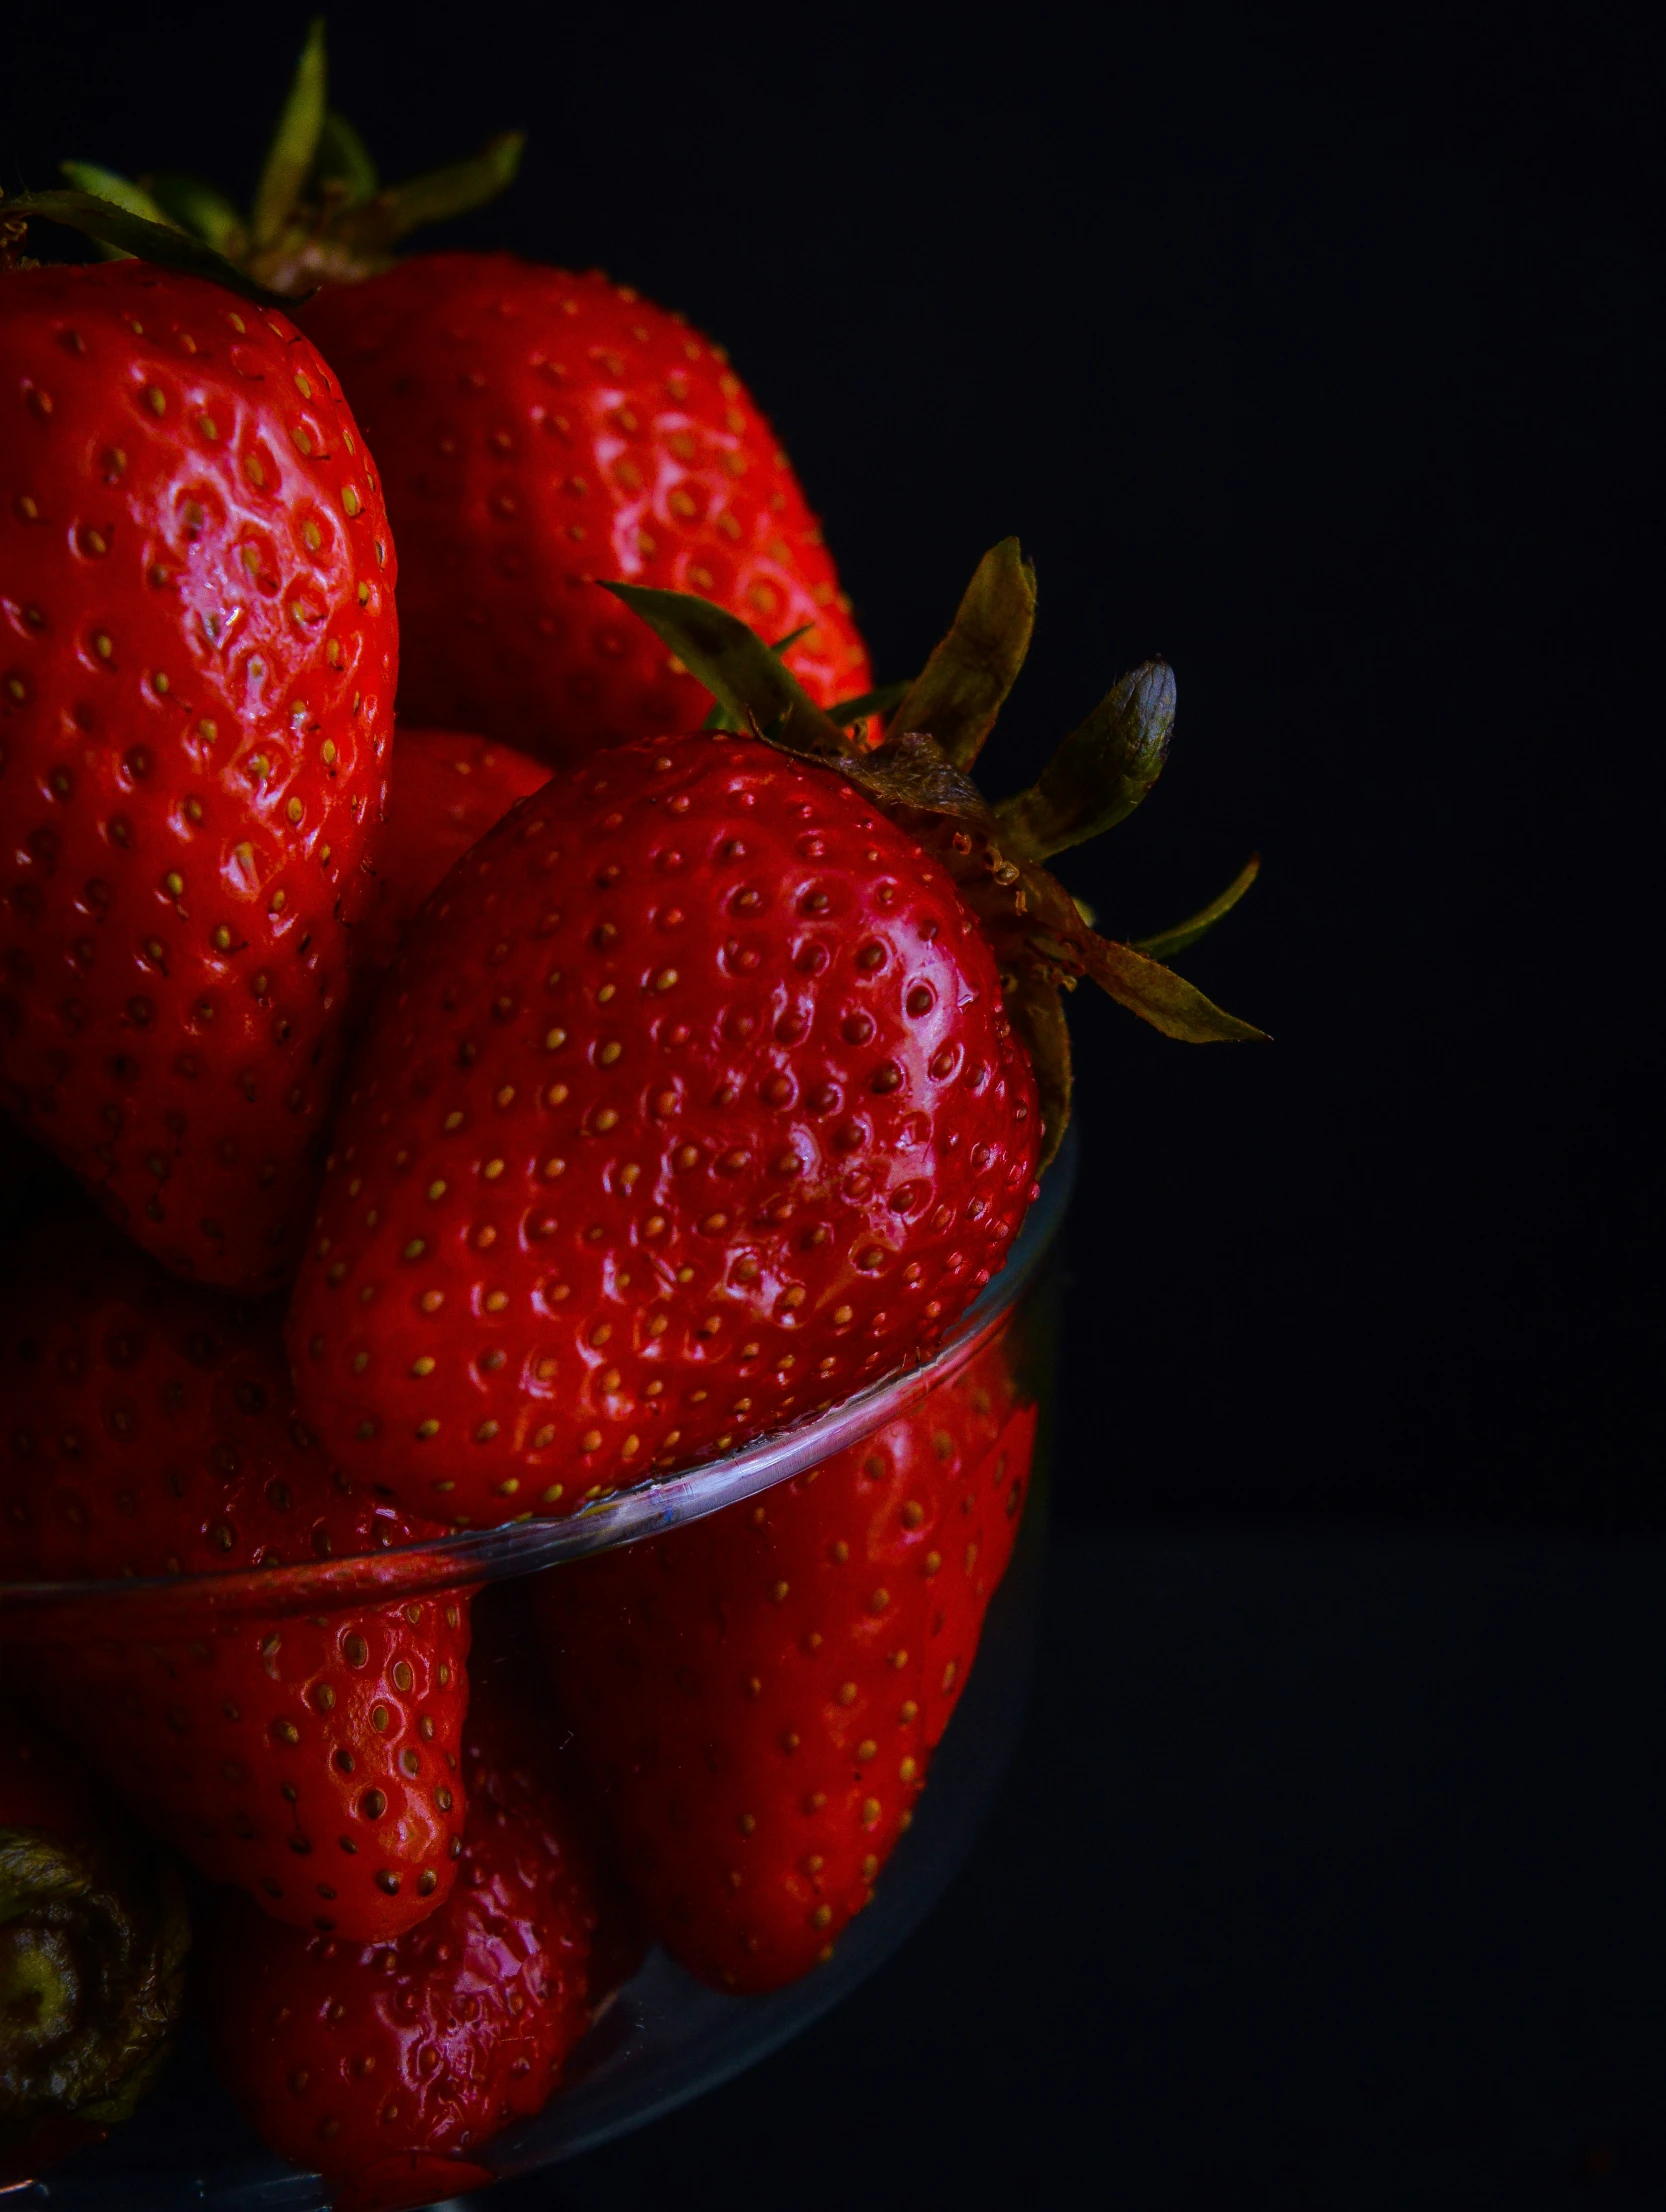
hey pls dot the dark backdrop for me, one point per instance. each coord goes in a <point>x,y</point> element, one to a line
<point>1321,354</point>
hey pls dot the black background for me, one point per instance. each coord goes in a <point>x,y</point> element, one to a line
<point>1321,352</point>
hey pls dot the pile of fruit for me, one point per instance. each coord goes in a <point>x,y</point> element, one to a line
<point>650,1040</point>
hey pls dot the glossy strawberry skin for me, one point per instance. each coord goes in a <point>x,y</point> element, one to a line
<point>537,430</point>
<point>198,653</point>
<point>148,1430</point>
<point>758,1694</point>
<point>690,1105</point>
<point>447,790</point>
<point>387,2064</point>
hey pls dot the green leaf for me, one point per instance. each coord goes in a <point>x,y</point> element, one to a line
<point>120,191</point>
<point>749,681</point>
<point>159,243</point>
<point>870,703</point>
<point>294,144</point>
<point>343,161</point>
<point>456,189</point>
<point>720,718</point>
<point>1100,773</point>
<point>959,692</point>
<point>1168,942</point>
<point>200,208</point>
<point>1167,1001</point>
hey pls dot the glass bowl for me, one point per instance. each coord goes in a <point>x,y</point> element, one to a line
<point>663,2036</point>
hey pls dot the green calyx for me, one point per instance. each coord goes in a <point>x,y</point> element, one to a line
<point>936,728</point>
<point>320,214</point>
<point>92,1968</point>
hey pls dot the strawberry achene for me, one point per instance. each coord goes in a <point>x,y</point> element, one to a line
<point>537,430</point>
<point>197,665</point>
<point>690,1105</point>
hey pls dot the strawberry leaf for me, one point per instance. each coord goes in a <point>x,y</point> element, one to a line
<point>870,703</point>
<point>959,692</point>
<point>720,718</point>
<point>1166,1000</point>
<point>1100,773</point>
<point>343,164</point>
<point>1039,923</point>
<point>358,240</point>
<point>749,681</point>
<point>120,191</point>
<point>457,188</point>
<point>160,243</point>
<point>197,207</point>
<point>1168,942</point>
<point>294,144</point>
<point>912,770</point>
<point>1040,940</point>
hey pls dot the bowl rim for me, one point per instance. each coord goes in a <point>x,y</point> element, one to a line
<point>42,1611</point>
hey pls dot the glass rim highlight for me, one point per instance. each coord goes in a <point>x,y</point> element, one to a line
<point>47,1611</point>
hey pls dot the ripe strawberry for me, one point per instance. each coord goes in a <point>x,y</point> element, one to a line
<point>92,1947</point>
<point>446,791</point>
<point>691,1103</point>
<point>758,1694</point>
<point>197,665</point>
<point>694,1098</point>
<point>537,430</point>
<point>390,2065</point>
<point>311,1757</point>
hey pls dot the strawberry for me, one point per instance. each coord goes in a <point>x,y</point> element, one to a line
<point>388,2065</point>
<point>694,1100</point>
<point>197,666</point>
<point>537,430</point>
<point>148,1431</point>
<point>447,790</point>
<point>93,1936</point>
<point>758,1693</point>
<point>690,1103</point>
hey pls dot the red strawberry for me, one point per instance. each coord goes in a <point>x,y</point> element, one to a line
<point>446,791</point>
<point>537,430</point>
<point>691,1104</point>
<point>694,1098</point>
<point>758,1693</point>
<point>197,664</point>
<point>92,1948</point>
<point>148,1430</point>
<point>389,2065</point>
